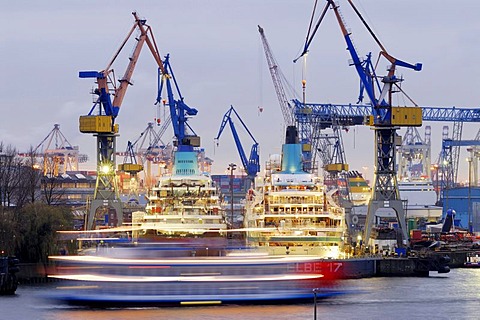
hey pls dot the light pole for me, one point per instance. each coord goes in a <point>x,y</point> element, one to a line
<point>435,180</point>
<point>469,160</point>
<point>231,167</point>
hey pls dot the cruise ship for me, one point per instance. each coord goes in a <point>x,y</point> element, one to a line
<point>289,212</point>
<point>360,191</point>
<point>420,197</point>
<point>183,204</point>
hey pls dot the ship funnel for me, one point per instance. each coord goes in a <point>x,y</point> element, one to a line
<point>185,163</point>
<point>291,137</point>
<point>292,152</point>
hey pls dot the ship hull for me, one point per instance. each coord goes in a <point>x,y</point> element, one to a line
<point>247,278</point>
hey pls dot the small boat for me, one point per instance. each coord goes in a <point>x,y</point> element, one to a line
<point>472,261</point>
<point>137,277</point>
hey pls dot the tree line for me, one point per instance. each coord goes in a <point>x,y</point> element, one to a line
<point>30,213</point>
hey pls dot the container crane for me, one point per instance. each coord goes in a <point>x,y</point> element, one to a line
<point>58,155</point>
<point>131,166</point>
<point>102,124</point>
<point>252,164</point>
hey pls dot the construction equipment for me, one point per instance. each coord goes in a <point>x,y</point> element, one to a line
<point>186,142</point>
<point>385,120</point>
<point>102,123</point>
<point>252,164</point>
<point>383,117</point>
<point>281,85</point>
<point>179,110</point>
<point>57,154</point>
<point>278,81</point>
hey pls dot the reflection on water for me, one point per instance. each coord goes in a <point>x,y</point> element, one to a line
<point>451,296</point>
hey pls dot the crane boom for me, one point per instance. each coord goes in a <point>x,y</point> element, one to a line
<point>104,77</point>
<point>277,77</point>
<point>252,164</point>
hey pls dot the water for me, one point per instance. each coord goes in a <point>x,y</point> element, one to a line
<point>455,295</point>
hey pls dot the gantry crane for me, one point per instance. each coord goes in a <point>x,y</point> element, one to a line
<point>57,153</point>
<point>252,164</point>
<point>102,123</point>
<point>317,115</point>
<point>414,155</point>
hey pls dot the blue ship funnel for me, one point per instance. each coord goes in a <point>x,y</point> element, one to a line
<point>186,163</point>
<point>292,152</point>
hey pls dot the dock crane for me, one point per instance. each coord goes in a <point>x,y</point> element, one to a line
<point>179,110</point>
<point>278,80</point>
<point>131,166</point>
<point>384,118</point>
<point>280,84</point>
<point>186,142</point>
<point>57,154</point>
<point>102,124</point>
<point>252,164</point>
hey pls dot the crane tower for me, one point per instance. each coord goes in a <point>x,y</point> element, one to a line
<point>102,124</point>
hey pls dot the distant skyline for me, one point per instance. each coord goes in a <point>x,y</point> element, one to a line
<point>218,60</point>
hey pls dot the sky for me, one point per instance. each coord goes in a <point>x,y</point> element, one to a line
<point>218,60</point>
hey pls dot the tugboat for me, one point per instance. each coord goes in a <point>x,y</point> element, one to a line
<point>8,278</point>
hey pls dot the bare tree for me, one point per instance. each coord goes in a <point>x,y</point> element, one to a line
<point>30,180</point>
<point>10,166</point>
<point>52,190</point>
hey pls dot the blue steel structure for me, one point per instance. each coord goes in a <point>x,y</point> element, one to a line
<point>381,117</point>
<point>312,118</point>
<point>179,110</point>
<point>252,164</point>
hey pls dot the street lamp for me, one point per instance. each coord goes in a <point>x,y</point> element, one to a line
<point>469,160</point>
<point>435,180</point>
<point>231,167</point>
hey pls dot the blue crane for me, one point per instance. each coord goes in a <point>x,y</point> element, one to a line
<point>252,164</point>
<point>383,117</point>
<point>179,110</point>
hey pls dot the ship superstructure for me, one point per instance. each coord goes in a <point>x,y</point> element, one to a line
<point>184,203</point>
<point>288,210</point>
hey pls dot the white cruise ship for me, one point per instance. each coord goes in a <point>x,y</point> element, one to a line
<point>182,204</point>
<point>420,197</point>
<point>289,212</point>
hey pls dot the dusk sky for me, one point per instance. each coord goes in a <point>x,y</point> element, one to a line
<point>218,60</point>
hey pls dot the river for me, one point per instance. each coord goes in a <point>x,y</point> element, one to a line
<point>455,295</point>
